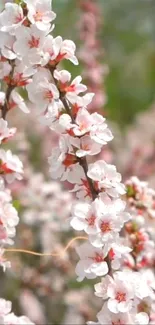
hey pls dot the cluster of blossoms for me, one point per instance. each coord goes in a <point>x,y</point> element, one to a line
<point>90,25</point>
<point>47,205</point>
<point>137,144</point>
<point>29,60</point>
<point>7,317</point>
<point>10,168</point>
<point>140,229</point>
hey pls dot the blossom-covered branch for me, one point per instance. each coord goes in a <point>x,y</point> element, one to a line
<point>61,103</point>
<point>11,167</point>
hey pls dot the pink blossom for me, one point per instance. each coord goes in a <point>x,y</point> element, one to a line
<point>11,18</point>
<point>10,165</point>
<point>91,262</point>
<point>106,178</point>
<point>40,13</point>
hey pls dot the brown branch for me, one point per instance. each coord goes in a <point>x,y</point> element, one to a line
<point>5,108</point>
<point>10,87</point>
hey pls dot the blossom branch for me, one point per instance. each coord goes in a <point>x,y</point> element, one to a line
<point>82,161</point>
<point>61,103</point>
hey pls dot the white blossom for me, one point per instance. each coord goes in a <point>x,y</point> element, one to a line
<point>92,263</point>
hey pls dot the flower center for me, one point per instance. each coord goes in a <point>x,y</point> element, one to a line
<point>66,88</point>
<point>85,147</point>
<point>91,220</point>
<point>33,42</point>
<point>5,170</point>
<point>19,80</point>
<point>69,160</point>
<point>83,126</point>
<point>117,322</point>
<point>48,95</point>
<point>120,296</point>
<point>105,227</point>
<point>98,258</point>
<point>38,16</point>
<point>70,89</point>
<point>18,19</point>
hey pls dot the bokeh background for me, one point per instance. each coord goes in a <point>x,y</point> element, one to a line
<point>45,289</point>
<point>128,38</point>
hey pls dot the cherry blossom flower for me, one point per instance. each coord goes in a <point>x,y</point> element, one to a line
<point>52,117</point>
<point>94,124</point>
<point>5,306</point>
<point>40,13</point>
<point>65,49</point>
<point>99,131</point>
<point>3,262</point>
<point>2,98</point>
<point>5,69</point>
<point>86,146</point>
<point>10,166</point>
<point>6,46</point>
<point>106,178</point>
<point>6,317</point>
<point>63,162</point>
<point>120,296</point>
<point>14,320</point>
<point>106,317</point>
<point>110,220</point>
<point>5,132</point>
<point>71,89</point>
<point>42,92</point>
<point>11,17</point>
<point>84,217</point>
<point>8,221</point>
<point>102,287</point>
<point>117,253</point>
<point>141,318</point>
<point>80,102</point>
<point>31,45</point>
<point>22,74</point>
<point>63,165</point>
<point>17,101</point>
<point>57,49</point>
<point>91,262</point>
<point>109,318</point>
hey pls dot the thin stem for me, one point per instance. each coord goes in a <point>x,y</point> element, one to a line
<point>5,106</point>
<point>10,87</point>
<point>61,252</point>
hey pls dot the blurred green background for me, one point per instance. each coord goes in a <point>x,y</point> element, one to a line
<point>128,37</point>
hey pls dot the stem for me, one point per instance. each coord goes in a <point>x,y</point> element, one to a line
<point>61,252</point>
<point>5,108</point>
